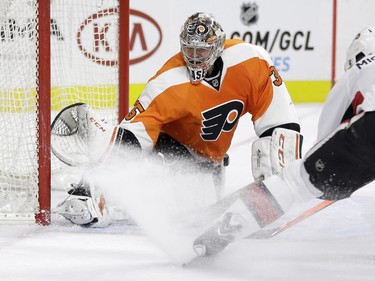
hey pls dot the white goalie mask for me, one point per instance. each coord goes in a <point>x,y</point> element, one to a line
<point>202,42</point>
<point>362,46</point>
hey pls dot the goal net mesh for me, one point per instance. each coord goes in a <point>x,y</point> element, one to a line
<point>84,68</point>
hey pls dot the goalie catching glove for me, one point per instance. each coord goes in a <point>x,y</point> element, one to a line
<point>79,137</point>
<point>271,154</point>
<point>85,206</point>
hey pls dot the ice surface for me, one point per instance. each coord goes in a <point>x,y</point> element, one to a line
<point>335,244</point>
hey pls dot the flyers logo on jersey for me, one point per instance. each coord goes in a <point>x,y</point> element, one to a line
<point>221,118</point>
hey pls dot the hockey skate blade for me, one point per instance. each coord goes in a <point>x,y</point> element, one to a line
<point>263,234</point>
<point>198,261</point>
<point>200,258</point>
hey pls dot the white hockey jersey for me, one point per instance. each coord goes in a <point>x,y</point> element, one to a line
<point>353,94</point>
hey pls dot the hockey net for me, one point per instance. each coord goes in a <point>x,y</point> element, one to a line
<point>84,67</point>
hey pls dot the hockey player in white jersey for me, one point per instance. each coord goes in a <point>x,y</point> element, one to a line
<point>341,162</point>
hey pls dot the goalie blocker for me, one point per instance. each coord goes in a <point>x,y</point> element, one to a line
<point>333,169</point>
<point>272,153</point>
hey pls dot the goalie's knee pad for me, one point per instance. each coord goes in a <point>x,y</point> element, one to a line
<point>345,160</point>
<point>84,207</point>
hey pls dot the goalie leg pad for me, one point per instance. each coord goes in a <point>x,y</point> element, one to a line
<point>345,160</point>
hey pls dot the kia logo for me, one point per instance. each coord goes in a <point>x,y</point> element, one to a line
<point>143,45</point>
<point>97,41</point>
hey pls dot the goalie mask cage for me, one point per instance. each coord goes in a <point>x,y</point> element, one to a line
<point>53,54</point>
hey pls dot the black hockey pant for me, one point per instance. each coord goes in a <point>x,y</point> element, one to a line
<point>345,161</point>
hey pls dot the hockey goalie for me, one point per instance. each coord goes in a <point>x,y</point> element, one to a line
<point>188,112</point>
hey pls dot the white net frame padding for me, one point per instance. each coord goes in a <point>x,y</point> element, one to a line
<point>84,38</point>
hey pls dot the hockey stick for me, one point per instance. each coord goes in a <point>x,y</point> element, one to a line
<point>269,233</point>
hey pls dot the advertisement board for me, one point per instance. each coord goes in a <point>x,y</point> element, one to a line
<point>307,40</point>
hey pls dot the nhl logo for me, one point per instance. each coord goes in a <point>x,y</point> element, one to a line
<point>319,165</point>
<point>249,13</point>
<point>215,83</point>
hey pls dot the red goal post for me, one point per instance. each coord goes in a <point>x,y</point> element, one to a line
<point>53,54</point>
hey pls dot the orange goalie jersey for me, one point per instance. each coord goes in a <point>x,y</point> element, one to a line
<point>203,117</point>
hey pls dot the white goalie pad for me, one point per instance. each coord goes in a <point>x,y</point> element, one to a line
<point>271,154</point>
